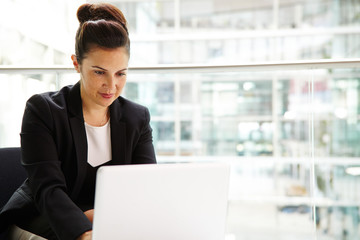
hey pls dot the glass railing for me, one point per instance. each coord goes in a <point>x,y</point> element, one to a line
<point>290,131</point>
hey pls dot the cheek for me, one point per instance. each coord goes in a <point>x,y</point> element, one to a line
<point>92,81</point>
<point>86,79</point>
<point>90,84</point>
<point>121,83</point>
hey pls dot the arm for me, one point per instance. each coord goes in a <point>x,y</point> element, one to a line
<point>46,178</point>
<point>87,235</point>
<point>144,149</point>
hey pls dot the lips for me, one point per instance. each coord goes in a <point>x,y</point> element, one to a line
<point>107,95</point>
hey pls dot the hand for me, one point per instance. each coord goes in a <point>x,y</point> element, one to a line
<point>90,214</point>
<point>85,236</point>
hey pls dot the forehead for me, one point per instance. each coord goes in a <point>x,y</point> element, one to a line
<point>107,56</point>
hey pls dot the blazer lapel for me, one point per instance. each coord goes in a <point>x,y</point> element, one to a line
<point>118,134</point>
<point>79,136</point>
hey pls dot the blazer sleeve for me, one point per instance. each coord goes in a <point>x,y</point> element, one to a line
<point>144,149</point>
<point>46,179</point>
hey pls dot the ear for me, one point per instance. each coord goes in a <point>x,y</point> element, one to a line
<point>75,63</point>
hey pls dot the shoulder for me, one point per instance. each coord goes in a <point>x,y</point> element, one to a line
<point>128,104</point>
<point>44,101</point>
<point>44,105</point>
<point>129,110</point>
<point>53,97</point>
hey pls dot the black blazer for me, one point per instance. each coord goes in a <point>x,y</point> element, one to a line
<point>54,154</point>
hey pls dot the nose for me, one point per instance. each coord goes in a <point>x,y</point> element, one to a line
<point>110,83</point>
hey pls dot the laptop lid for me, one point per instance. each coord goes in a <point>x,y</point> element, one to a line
<point>184,201</point>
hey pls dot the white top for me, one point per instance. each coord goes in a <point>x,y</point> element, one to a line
<point>99,144</point>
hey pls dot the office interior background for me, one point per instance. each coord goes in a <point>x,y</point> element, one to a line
<point>280,104</point>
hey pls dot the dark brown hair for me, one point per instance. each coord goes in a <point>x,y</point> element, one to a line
<point>101,25</point>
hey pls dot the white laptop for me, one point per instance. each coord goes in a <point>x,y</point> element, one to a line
<point>186,201</point>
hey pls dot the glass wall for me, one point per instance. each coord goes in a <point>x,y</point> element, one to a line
<point>289,134</point>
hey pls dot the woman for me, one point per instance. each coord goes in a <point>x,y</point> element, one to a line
<point>67,135</point>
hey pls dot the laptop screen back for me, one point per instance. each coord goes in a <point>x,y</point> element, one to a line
<point>161,201</point>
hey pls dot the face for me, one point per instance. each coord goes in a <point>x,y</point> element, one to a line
<point>103,76</point>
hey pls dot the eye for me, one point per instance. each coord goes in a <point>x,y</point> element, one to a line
<point>99,72</point>
<point>121,74</point>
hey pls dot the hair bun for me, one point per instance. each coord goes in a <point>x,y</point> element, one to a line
<point>84,13</point>
<point>93,12</point>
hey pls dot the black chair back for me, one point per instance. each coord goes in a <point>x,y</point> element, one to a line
<point>12,174</point>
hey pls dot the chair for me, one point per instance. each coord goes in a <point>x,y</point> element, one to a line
<point>12,174</point>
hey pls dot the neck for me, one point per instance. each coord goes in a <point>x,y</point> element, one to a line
<point>96,117</point>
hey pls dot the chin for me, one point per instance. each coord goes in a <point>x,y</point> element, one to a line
<point>106,103</point>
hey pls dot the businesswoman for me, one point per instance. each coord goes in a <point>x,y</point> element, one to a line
<point>67,135</point>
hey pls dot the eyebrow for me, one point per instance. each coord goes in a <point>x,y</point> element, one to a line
<point>106,70</point>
